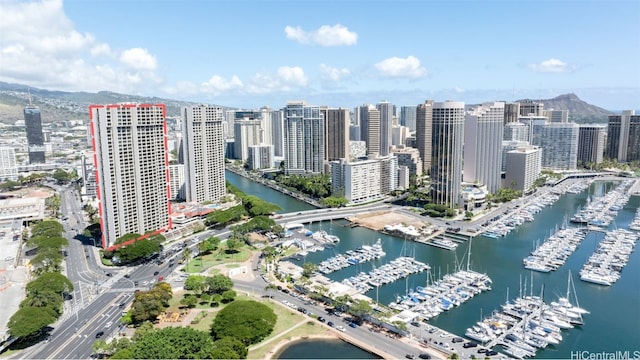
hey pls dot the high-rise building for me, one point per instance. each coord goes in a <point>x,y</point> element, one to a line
<point>203,143</point>
<point>303,138</point>
<point>446,164</point>
<point>260,157</point>
<point>277,132</point>
<point>524,166</point>
<point>8,167</point>
<point>556,116</point>
<point>559,143</point>
<point>509,146</point>
<point>177,181</point>
<point>410,158</point>
<point>516,131</point>
<point>248,133</point>
<point>408,117</point>
<point>365,180</point>
<point>511,112</point>
<point>531,108</point>
<point>424,128</point>
<point>386,122</point>
<point>623,137</point>
<point>35,137</point>
<point>591,138</point>
<point>336,133</point>
<point>370,128</point>
<point>132,166</point>
<point>483,131</point>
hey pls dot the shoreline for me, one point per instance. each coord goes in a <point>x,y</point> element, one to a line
<point>277,349</point>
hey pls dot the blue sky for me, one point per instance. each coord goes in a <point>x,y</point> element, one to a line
<point>337,53</point>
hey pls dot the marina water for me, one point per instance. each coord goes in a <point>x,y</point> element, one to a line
<point>614,322</point>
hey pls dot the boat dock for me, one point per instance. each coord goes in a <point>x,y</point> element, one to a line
<point>360,255</point>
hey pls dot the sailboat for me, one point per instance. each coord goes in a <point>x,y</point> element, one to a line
<point>564,306</point>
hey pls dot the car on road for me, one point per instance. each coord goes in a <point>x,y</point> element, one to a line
<point>482,351</point>
<point>469,344</point>
<point>156,273</point>
<point>353,325</point>
<point>331,324</point>
<point>127,275</point>
<point>109,274</point>
<point>108,325</point>
<point>424,356</point>
<point>99,334</point>
<point>415,323</point>
<point>410,356</point>
<point>321,319</point>
<point>341,328</point>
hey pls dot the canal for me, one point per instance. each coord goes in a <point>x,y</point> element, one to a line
<point>614,322</point>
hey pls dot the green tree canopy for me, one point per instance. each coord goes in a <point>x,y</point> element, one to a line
<point>29,321</point>
<point>229,348</point>
<point>55,282</point>
<point>246,320</point>
<point>47,228</point>
<point>219,283</point>
<point>147,305</point>
<point>196,283</point>
<point>173,343</point>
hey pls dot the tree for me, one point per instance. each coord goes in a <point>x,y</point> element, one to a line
<point>186,343</point>
<point>229,348</point>
<point>100,347</point>
<point>29,321</point>
<point>219,283</point>
<point>360,308</point>
<point>54,282</point>
<point>189,300</point>
<point>147,305</point>
<point>228,296</point>
<point>246,320</point>
<point>232,245</point>
<point>186,256</point>
<point>196,283</point>
<point>308,269</point>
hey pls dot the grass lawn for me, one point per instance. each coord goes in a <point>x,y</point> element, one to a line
<point>205,262</point>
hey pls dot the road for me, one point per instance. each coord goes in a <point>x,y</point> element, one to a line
<point>100,291</point>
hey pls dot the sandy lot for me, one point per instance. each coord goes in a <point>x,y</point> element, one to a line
<point>377,220</point>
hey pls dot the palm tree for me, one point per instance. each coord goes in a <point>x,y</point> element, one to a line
<point>186,255</point>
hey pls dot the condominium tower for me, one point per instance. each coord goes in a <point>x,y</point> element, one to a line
<point>591,138</point>
<point>623,137</point>
<point>386,122</point>
<point>424,123</point>
<point>203,142</point>
<point>131,160</point>
<point>446,164</point>
<point>303,138</point>
<point>483,129</point>
<point>35,137</point>
<point>336,133</point>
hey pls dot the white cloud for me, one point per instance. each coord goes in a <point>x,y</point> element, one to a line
<point>286,78</point>
<point>326,35</point>
<point>217,85</point>
<point>139,59</point>
<point>551,66</point>
<point>401,68</point>
<point>39,46</point>
<point>328,73</point>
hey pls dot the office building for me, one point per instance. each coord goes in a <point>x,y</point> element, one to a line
<point>408,117</point>
<point>203,143</point>
<point>623,137</point>
<point>35,137</point>
<point>8,167</point>
<point>304,138</point>
<point>483,132</point>
<point>446,165</point>
<point>424,128</point>
<point>524,166</point>
<point>336,133</point>
<point>132,169</point>
<point>591,141</point>
<point>559,143</point>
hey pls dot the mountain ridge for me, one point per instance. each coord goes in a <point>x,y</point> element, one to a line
<point>62,105</point>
